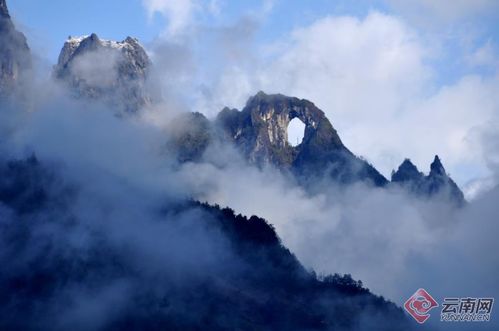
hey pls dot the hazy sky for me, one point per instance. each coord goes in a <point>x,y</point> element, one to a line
<point>397,78</point>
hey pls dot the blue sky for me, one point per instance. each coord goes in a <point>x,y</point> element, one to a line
<point>397,78</point>
<point>50,22</point>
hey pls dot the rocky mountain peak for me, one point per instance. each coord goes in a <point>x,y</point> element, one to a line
<point>262,127</point>
<point>436,167</point>
<point>436,183</point>
<point>407,171</point>
<point>112,71</point>
<point>260,131</point>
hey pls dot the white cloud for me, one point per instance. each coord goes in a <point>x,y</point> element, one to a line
<point>349,230</point>
<point>476,188</point>
<point>183,15</point>
<point>179,13</point>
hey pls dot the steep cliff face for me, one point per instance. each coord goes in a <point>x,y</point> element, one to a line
<point>15,56</point>
<point>436,183</point>
<point>114,72</point>
<point>260,132</point>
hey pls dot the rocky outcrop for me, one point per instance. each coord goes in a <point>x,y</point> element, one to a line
<point>408,175</point>
<point>15,56</point>
<point>114,72</point>
<point>189,136</point>
<point>436,184</point>
<point>260,132</point>
<point>439,182</point>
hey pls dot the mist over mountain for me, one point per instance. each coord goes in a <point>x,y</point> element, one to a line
<point>181,265</point>
<point>120,211</point>
<point>437,182</point>
<point>114,72</point>
<point>260,133</point>
<point>117,73</point>
<point>85,248</point>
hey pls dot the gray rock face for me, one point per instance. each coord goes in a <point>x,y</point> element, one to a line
<point>407,173</point>
<point>189,136</point>
<point>260,132</point>
<point>15,56</point>
<point>114,72</point>
<point>436,183</point>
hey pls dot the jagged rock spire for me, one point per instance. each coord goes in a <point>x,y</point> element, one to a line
<point>436,183</point>
<point>407,171</point>
<point>436,167</point>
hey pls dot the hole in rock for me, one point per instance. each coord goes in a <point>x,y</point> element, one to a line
<point>296,132</point>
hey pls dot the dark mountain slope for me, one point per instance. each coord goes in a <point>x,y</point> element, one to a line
<point>207,269</point>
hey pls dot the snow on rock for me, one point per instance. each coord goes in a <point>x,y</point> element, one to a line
<point>112,71</point>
